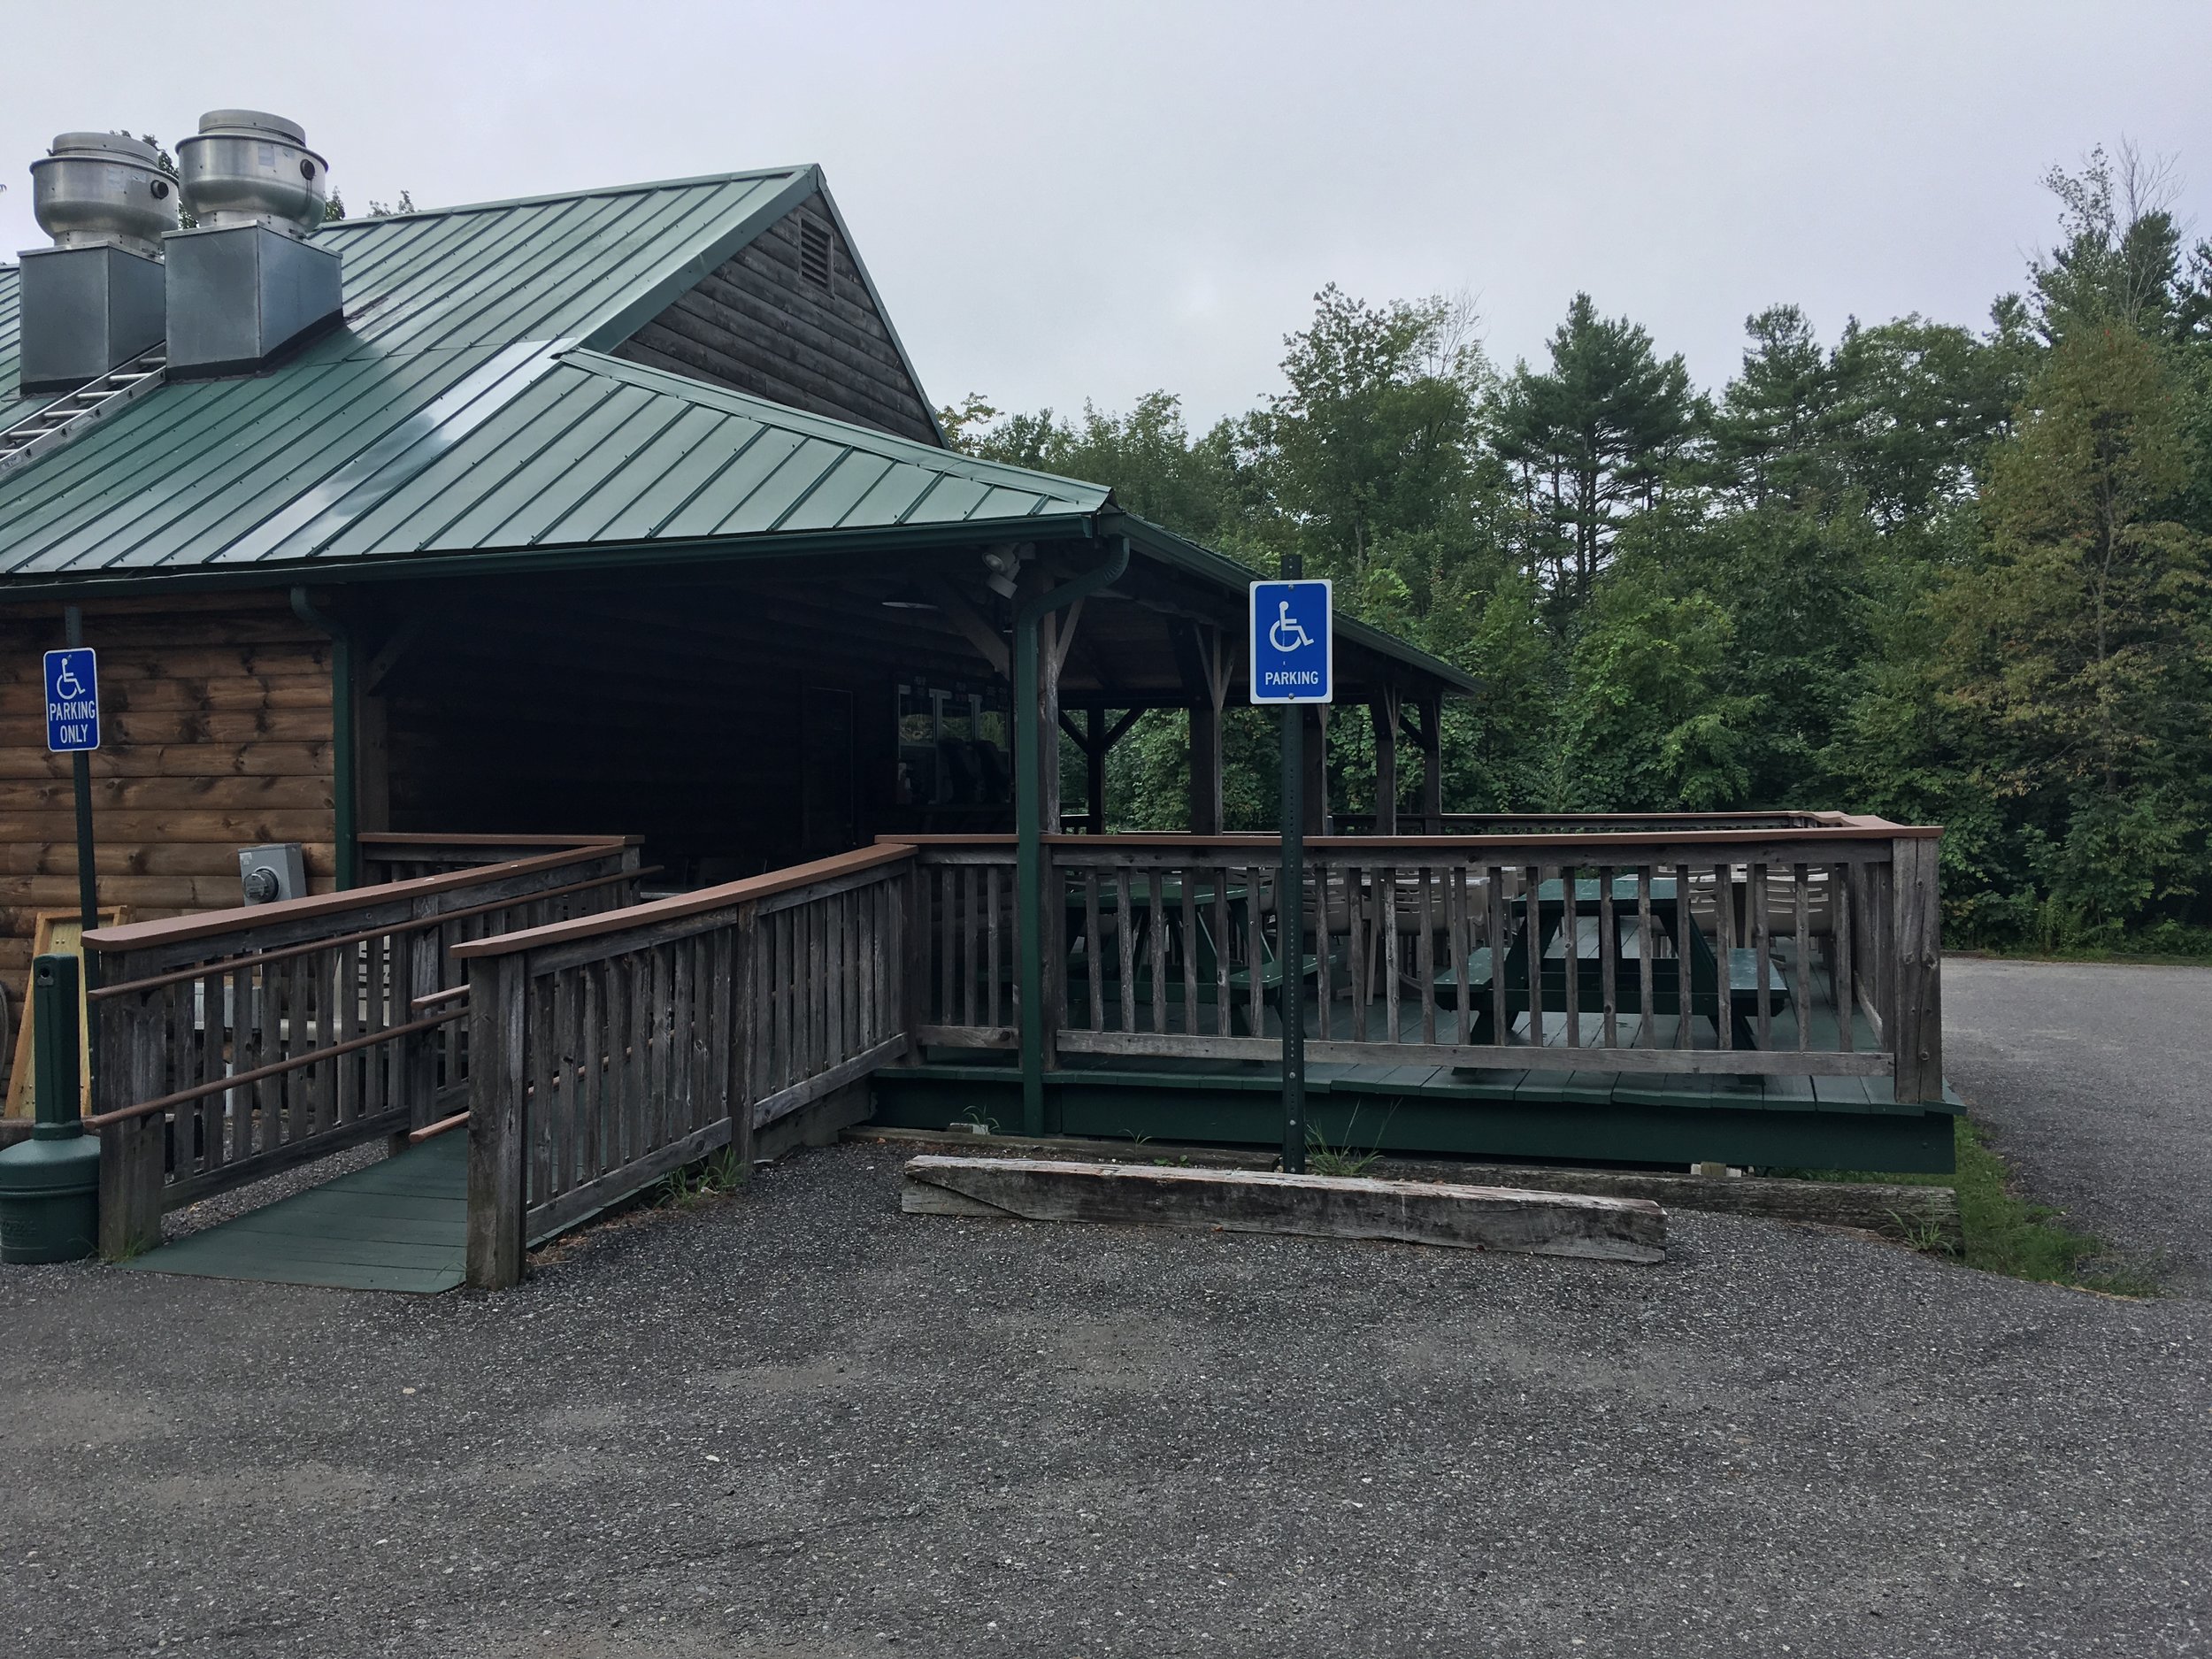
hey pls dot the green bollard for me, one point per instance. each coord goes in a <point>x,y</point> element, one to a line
<point>50,1185</point>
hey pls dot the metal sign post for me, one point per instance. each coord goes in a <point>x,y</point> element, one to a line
<point>72,728</point>
<point>1294,663</point>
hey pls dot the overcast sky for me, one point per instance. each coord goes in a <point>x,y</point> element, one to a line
<point>1062,203</point>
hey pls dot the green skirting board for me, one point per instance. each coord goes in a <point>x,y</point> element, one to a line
<point>401,1224</point>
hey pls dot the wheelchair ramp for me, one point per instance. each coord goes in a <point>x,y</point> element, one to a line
<point>401,1225</point>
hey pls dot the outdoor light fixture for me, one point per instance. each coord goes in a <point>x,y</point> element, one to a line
<point>999,566</point>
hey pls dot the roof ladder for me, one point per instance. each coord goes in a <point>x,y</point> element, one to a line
<point>51,427</point>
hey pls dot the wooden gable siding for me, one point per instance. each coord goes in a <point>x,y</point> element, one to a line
<point>757,325</point>
<point>216,736</point>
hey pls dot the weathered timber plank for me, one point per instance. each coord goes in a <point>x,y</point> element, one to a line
<point>1315,1206</point>
<point>1891,1209</point>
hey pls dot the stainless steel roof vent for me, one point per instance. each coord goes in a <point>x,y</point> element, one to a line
<point>96,189</point>
<point>93,301</point>
<point>247,281</point>
<point>244,167</point>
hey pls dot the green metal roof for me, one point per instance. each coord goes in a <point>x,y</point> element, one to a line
<point>466,417</point>
<point>463,397</point>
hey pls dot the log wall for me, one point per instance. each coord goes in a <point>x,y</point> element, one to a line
<point>217,736</point>
<point>758,324</point>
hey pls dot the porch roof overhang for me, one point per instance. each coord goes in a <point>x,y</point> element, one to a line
<point>550,456</point>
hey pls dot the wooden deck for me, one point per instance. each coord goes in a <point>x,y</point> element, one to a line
<point>401,1224</point>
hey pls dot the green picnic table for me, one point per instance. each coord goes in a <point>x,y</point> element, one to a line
<point>1203,950</point>
<point>1588,950</point>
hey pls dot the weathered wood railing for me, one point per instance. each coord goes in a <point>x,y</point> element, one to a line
<point>609,1051</point>
<point>405,854</point>
<point>233,1044</point>
<point>1803,945</point>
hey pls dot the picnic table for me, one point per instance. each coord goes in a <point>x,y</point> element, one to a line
<point>1198,947</point>
<point>1589,948</point>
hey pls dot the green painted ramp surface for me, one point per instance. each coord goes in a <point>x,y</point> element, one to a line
<point>399,1224</point>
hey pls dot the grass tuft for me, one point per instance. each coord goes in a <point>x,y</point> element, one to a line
<point>711,1177</point>
<point>2008,1234</point>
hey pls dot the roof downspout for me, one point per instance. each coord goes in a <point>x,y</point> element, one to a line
<point>344,830</point>
<point>1028,834</point>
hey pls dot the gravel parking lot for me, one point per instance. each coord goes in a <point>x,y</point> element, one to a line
<point>2092,1080</point>
<point>798,1423</point>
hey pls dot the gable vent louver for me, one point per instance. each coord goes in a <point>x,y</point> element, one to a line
<point>814,251</point>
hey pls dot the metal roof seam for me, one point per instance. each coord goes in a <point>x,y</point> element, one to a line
<point>468,402</point>
<point>806,494</point>
<point>615,471</point>
<point>206,478</point>
<point>492,482</point>
<point>735,456</point>
<point>705,420</point>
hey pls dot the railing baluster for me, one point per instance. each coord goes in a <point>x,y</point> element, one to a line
<point>1387,923</point>
<point>1724,951</point>
<point>1570,948</point>
<point>1501,1009</point>
<point>1093,950</point>
<point>1841,898</point>
<point>1762,942</point>
<point>1424,958</point>
<point>1156,946</point>
<point>1647,1034</point>
<point>1802,956</point>
<point>1223,1023</point>
<point>1125,941</point>
<point>1609,959</point>
<point>991,968</point>
<point>1686,954</point>
<point>1189,940</point>
<point>1534,924</point>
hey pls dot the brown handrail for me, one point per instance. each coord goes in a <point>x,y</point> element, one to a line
<point>313,1057</point>
<point>413,925</point>
<point>431,838</point>
<point>206,923</point>
<point>752,888</point>
<point>1855,829</point>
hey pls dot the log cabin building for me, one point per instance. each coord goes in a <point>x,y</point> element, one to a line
<point>619,510</point>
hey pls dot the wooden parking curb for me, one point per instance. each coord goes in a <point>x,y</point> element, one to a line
<point>1892,1209</point>
<point>1319,1206</point>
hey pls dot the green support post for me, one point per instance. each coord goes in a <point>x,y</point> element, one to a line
<point>50,1185</point>
<point>1290,910</point>
<point>1028,833</point>
<point>87,869</point>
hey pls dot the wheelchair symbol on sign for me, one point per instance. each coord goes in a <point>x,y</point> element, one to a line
<point>1288,633</point>
<point>67,687</point>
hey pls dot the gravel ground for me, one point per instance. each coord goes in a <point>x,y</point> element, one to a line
<point>2094,1083</point>
<point>799,1422</point>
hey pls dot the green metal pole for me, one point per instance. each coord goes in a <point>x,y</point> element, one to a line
<point>1290,908</point>
<point>87,870</point>
<point>58,1091</point>
<point>1029,833</point>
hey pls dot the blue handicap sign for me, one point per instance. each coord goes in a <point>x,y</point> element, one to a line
<point>72,700</point>
<point>1294,646</point>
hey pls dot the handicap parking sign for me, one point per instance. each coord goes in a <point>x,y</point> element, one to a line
<point>72,700</point>
<point>1294,646</point>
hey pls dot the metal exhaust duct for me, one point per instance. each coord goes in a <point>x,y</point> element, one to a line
<point>245,282</point>
<point>95,300</point>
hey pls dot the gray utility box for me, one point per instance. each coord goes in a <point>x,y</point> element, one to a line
<point>272,873</point>
<point>87,311</point>
<point>239,294</point>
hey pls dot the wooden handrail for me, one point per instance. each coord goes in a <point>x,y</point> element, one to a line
<point>240,1080</point>
<point>208,923</point>
<point>430,838</point>
<point>751,889</point>
<point>411,925</point>
<point>1483,846</point>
